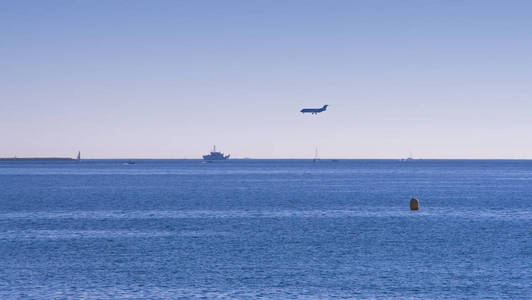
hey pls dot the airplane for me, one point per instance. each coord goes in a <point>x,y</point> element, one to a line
<point>314,111</point>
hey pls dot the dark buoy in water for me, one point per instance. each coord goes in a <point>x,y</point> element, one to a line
<point>414,204</point>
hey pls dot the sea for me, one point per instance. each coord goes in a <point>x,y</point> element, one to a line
<point>266,229</point>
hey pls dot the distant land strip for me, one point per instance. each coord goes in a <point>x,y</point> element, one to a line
<point>35,158</point>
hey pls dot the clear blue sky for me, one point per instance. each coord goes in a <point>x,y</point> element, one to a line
<point>168,79</point>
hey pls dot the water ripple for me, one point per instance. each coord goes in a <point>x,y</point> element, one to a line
<point>376,212</point>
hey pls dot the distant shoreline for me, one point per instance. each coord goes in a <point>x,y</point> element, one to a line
<point>36,158</point>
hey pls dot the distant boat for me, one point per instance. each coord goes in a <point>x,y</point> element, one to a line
<point>215,155</point>
<point>409,158</point>
<point>316,159</point>
<point>129,162</point>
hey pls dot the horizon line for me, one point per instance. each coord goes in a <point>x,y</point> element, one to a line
<point>272,158</point>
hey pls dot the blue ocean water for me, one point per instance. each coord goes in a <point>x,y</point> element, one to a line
<point>273,229</point>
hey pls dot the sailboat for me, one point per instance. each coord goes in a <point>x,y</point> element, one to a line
<point>78,157</point>
<point>316,159</point>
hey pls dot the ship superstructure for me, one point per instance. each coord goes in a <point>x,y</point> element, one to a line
<point>215,155</point>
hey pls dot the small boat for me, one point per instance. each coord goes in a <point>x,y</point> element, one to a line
<point>316,158</point>
<point>129,162</point>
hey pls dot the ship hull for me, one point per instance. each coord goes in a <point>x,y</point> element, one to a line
<point>211,158</point>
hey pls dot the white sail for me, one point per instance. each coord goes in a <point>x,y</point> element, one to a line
<point>316,155</point>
